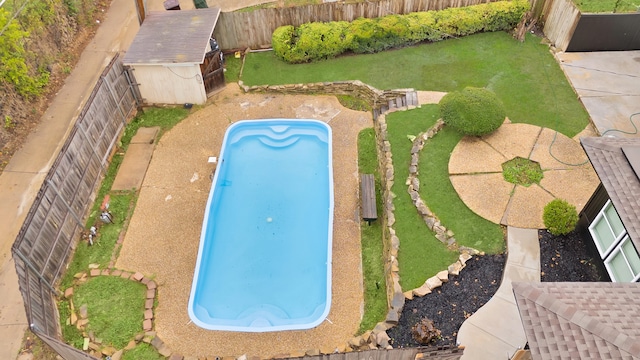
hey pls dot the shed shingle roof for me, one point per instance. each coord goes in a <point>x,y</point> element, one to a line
<point>580,320</point>
<point>171,37</point>
<point>618,178</point>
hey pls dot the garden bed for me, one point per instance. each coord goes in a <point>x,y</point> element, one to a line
<point>562,258</point>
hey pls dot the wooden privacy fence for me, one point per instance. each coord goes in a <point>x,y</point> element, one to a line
<point>241,30</point>
<point>55,220</point>
<point>424,352</point>
<point>560,18</point>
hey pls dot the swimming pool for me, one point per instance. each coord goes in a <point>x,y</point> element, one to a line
<point>264,260</point>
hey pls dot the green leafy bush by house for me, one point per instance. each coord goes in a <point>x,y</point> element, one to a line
<point>318,41</point>
<point>560,217</point>
<point>472,111</point>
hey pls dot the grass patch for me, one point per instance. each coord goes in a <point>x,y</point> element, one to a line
<point>353,103</point>
<point>521,171</point>
<point>525,76</point>
<point>102,249</point>
<point>121,202</point>
<point>115,308</point>
<point>421,255</point>
<point>606,6</point>
<point>142,351</point>
<point>70,333</point>
<point>232,66</point>
<point>375,298</point>
<point>439,194</point>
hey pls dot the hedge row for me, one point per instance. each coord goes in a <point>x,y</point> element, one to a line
<point>317,41</point>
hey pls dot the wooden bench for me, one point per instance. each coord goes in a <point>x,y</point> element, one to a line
<point>368,198</point>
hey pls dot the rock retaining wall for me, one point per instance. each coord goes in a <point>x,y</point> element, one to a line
<point>380,100</point>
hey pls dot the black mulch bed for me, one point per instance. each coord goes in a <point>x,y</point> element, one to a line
<point>452,303</point>
<point>566,258</point>
<point>562,258</point>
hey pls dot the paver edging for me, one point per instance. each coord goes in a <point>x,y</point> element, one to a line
<point>96,348</point>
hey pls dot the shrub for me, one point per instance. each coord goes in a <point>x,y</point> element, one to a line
<point>560,217</point>
<point>317,41</point>
<point>472,111</point>
<point>311,41</point>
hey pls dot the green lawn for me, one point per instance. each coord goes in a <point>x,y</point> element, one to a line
<point>607,6</point>
<point>115,307</point>
<point>525,76</point>
<point>421,255</point>
<point>437,191</point>
<point>375,294</point>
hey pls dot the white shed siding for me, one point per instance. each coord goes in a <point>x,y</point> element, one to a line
<point>170,84</point>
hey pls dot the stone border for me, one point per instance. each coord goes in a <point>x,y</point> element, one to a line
<point>92,344</point>
<point>445,236</point>
<point>381,101</point>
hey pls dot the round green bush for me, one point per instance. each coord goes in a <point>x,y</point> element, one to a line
<point>472,111</point>
<point>560,217</point>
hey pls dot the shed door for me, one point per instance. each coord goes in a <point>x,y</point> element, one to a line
<point>212,71</point>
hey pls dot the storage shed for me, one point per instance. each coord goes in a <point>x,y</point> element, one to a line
<point>174,58</point>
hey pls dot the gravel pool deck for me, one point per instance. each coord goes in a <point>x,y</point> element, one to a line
<point>164,233</point>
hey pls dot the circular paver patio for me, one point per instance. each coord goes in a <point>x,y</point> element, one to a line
<point>475,170</point>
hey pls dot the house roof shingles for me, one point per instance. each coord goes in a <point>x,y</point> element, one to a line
<point>580,320</point>
<point>618,178</point>
<point>172,37</point>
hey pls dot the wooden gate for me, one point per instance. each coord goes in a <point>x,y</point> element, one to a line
<point>212,71</point>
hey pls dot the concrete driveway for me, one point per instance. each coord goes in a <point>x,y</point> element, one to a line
<point>608,83</point>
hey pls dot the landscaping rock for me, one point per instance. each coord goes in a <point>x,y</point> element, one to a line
<point>433,283</point>
<point>422,290</point>
<point>443,276</point>
<point>382,339</point>
<point>117,355</point>
<point>108,351</point>
<point>83,311</point>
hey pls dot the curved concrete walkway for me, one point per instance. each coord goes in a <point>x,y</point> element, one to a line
<point>495,331</point>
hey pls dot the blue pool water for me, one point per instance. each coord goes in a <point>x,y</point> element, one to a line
<point>264,261</point>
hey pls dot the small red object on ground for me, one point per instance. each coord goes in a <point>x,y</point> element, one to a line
<point>105,203</point>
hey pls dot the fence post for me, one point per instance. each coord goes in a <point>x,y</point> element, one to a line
<point>132,86</point>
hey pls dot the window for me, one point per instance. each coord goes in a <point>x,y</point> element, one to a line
<point>616,249</point>
<point>607,230</point>
<point>624,263</point>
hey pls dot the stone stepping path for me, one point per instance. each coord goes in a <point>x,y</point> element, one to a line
<point>136,160</point>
